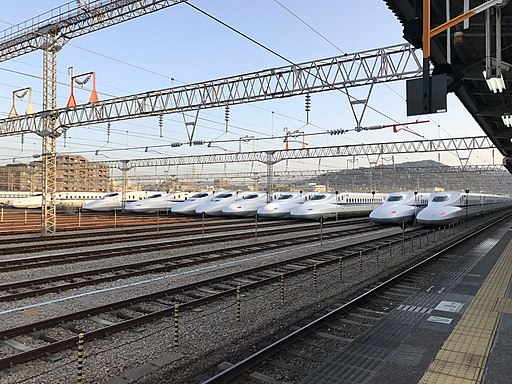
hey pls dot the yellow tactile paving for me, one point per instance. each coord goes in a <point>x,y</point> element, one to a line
<point>461,358</point>
<point>503,305</point>
<point>441,378</point>
<point>456,370</point>
<point>464,354</point>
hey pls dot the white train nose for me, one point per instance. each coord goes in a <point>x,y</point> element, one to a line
<point>392,214</point>
<point>443,215</point>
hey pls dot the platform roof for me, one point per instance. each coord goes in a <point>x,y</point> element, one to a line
<point>468,62</point>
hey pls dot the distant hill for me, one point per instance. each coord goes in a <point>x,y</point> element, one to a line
<point>424,175</point>
<point>421,163</point>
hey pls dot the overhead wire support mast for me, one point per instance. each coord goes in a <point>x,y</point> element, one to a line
<point>49,32</point>
<point>49,135</point>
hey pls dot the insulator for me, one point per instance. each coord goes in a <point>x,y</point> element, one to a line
<point>176,144</point>
<point>308,102</point>
<point>21,95</point>
<point>226,116</point>
<point>198,142</point>
<point>336,132</point>
<point>82,82</point>
<point>308,107</point>
<point>161,124</point>
<point>108,132</point>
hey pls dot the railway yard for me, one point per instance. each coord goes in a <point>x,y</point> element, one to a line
<point>212,214</point>
<point>151,299</point>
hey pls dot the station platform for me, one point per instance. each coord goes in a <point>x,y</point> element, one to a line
<point>458,329</point>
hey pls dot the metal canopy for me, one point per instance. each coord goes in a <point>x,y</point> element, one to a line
<point>468,60</point>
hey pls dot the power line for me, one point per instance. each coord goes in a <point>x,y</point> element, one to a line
<point>309,26</point>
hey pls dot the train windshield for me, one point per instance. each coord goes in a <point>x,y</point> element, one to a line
<point>318,197</point>
<point>395,198</point>
<point>284,197</point>
<point>155,196</point>
<point>224,195</point>
<point>111,195</point>
<point>440,199</point>
<point>250,197</point>
<point>199,195</point>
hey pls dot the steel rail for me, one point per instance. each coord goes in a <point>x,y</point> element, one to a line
<point>316,260</point>
<point>257,358</point>
<point>73,257</point>
<point>93,239</point>
<point>146,267</point>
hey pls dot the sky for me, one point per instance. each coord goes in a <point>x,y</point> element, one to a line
<point>180,45</point>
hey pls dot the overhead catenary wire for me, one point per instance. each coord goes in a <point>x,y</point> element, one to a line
<point>149,136</point>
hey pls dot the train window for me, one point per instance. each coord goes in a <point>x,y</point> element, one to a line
<point>284,197</point>
<point>198,195</point>
<point>224,195</point>
<point>252,196</point>
<point>155,196</point>
<point>318,197</point>
<point>440,199</point>
<point>395,198</point>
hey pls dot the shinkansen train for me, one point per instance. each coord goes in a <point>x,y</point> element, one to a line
<point>450,207</point>
<point>6,196</point>
<point>62,200</point>
<point>189,206</point>
<point>331,205</point>
<point>281,207</point>
<point>215,205</point>
<point>158,202</point>
<point>247,205</point>
<point>400,208</point>
<point>112,201</point>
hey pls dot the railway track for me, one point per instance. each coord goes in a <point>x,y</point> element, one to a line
<point>48,337</point>
<point>57,283</point>
<point>30,222</point>
<point>295,356</point>
<point>19,245</point>
<point>135,312</point>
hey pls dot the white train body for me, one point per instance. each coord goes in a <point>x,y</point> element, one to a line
<point>400,208</point>
<point>188,207</point>
<point>450,207</point>
<point>159,202</point>
<point>6,196</point>
<point>281,207</point>
<point>112,201</point>
<point>218,202</point>
<point>248,205</point>
<point>331,205</point>
<point>62,200</point>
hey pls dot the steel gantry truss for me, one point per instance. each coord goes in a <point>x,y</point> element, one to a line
<point>392,63</point>
<point>49,32</point>
<point>270,158</point>
<point>403,147</point>
<point>74,19</point>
